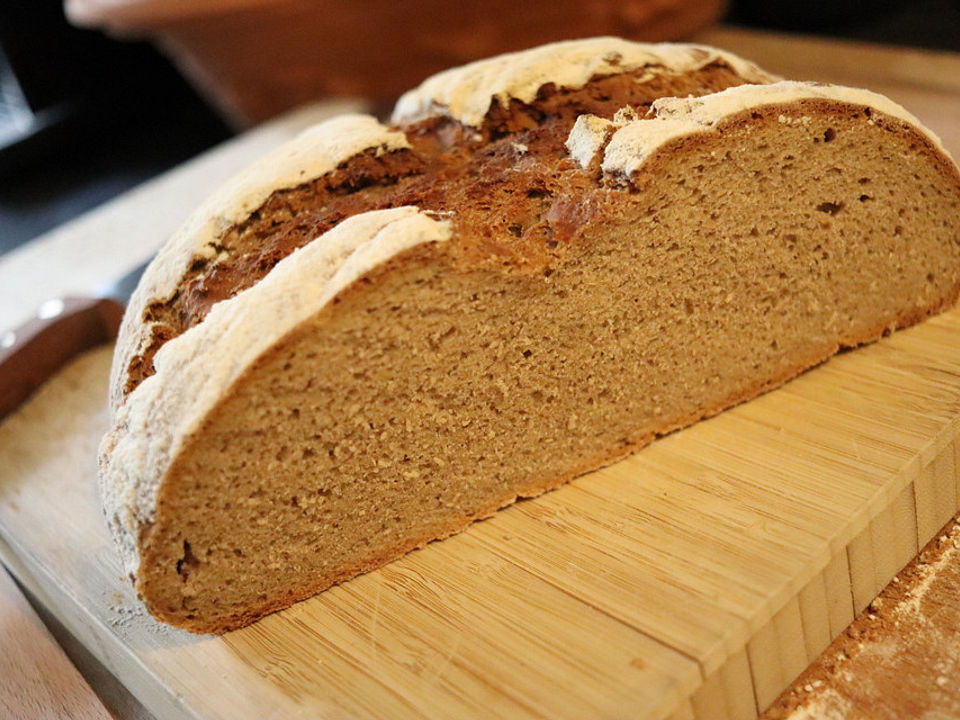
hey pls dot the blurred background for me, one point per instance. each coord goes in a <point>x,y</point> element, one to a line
<point>100,95</point>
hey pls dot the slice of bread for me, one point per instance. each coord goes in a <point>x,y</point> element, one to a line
<point>546,262</point>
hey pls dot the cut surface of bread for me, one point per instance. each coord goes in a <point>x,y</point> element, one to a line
<point>455,340</point>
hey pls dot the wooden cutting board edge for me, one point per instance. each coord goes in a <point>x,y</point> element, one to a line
<point>93,634</point>
<point>783,646</point>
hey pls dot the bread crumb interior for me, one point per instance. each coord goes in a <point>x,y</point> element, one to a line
<point>438,390</point>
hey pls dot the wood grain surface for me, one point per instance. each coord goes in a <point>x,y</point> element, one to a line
<point>899,658</point>
<point>695,579</point>
<point>36,678</point>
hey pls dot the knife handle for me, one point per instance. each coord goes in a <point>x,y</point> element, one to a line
<point>60,331</point>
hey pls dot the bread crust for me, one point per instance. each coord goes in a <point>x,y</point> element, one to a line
<point>467,93</point>
<point>314,152</point>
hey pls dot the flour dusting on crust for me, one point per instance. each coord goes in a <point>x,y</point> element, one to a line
<point>312,154</point>
<point>672,118</point>
<point>466,93</point>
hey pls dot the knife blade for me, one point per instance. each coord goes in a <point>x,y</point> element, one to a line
<point>61,329</point>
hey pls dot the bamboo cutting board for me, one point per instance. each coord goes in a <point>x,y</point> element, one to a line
<point>697,577</point>
<point>694,579</point>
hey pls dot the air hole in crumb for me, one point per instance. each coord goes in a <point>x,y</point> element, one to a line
<point>829,135</point>
<point>830,208</point>
<point>527,353</point>
<point>931,277</point>
<point>188,562</point>
<point>515,229</point>
<point>864,198</point>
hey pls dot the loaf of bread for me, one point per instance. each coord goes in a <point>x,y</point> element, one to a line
<point>379,334</point>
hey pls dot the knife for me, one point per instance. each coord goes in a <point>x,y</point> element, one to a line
<point>60,330</point>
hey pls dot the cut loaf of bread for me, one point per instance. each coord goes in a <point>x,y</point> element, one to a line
<point>380,334</point>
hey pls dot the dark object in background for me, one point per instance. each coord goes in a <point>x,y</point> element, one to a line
<point>46,80</point>
<point>257,58</point>
<point>22,123</point>
<point>810,16</point>
<point>931,24</point>
<point>83,117</point>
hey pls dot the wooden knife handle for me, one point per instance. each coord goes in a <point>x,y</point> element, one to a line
<point>60,331</point>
